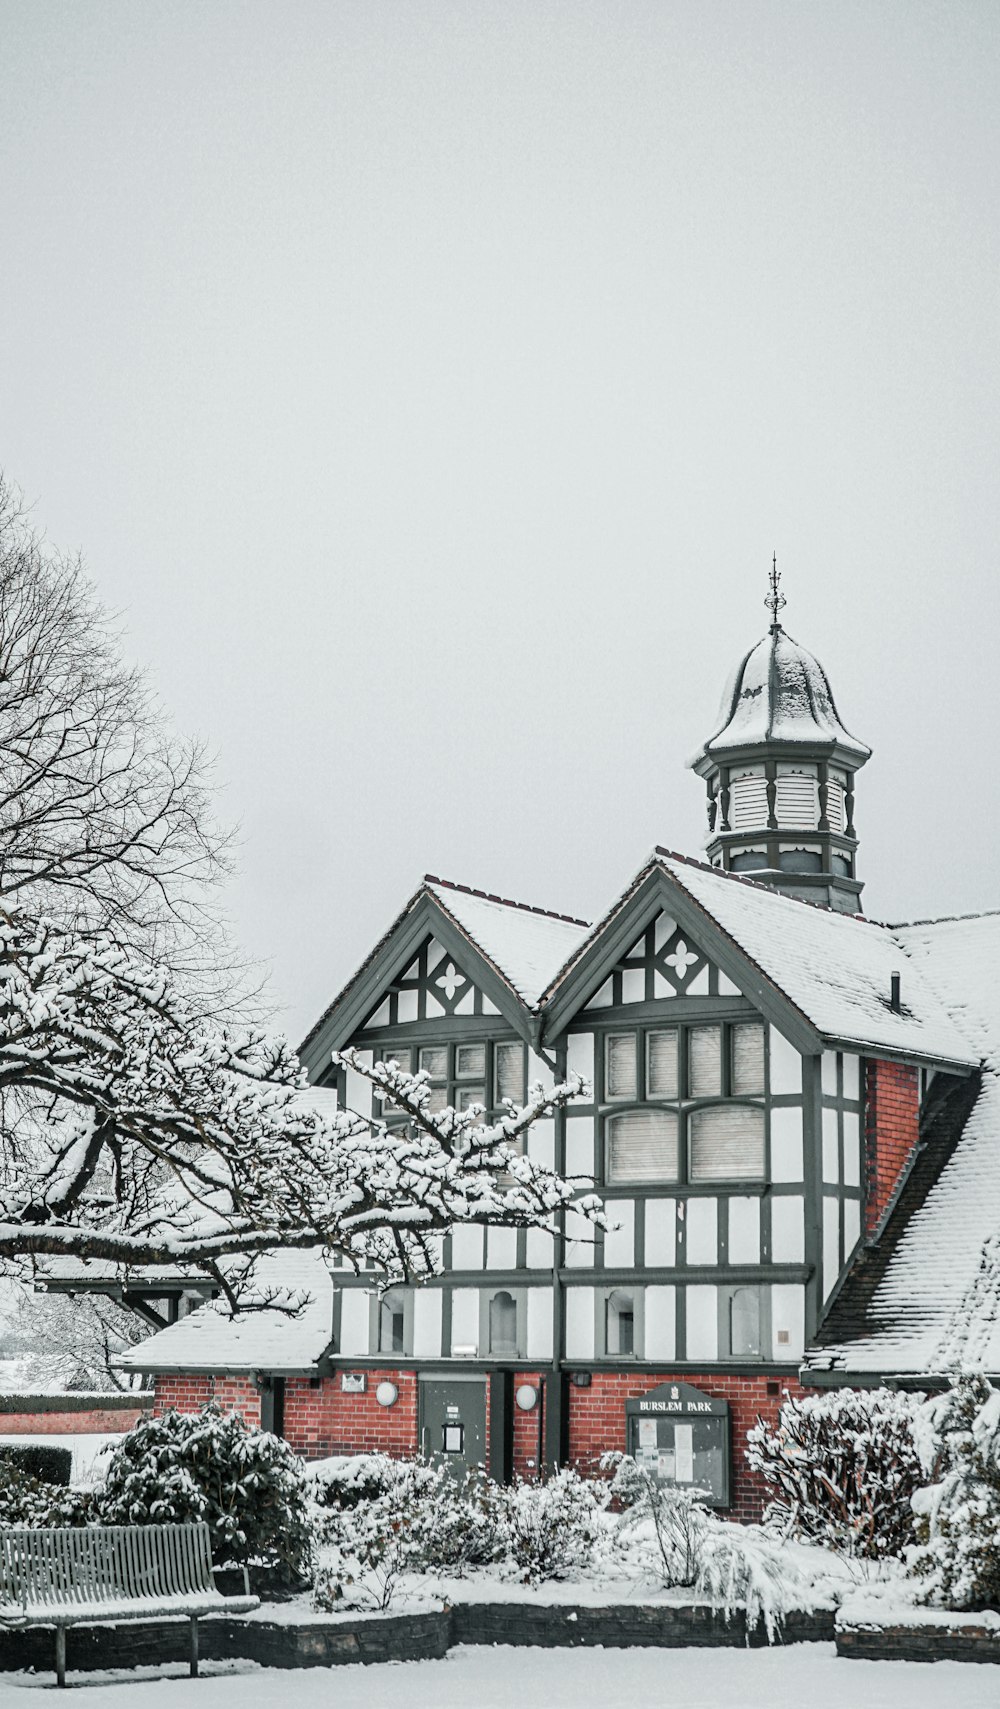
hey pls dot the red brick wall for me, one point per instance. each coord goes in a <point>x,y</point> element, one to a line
<point>597,1421</point>
<point>97,1421</point>
<point>892,1099</point>
<point>189,1394</point>
<point>527,1424</point>
<point>324,1420</point>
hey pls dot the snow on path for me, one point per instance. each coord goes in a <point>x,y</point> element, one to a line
<point>485,1678</point>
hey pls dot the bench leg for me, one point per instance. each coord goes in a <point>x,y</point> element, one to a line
<point>60,1655</point>
<point>194,1647</point>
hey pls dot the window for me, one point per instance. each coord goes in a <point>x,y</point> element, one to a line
<point>743,1329</point>
<point>466,1073</point>
<point>836,800</point>
<point>642,1146</point>
<point>619,1337</point>
<point>796,805</point>
<point>800,860</point>
<point>392,1323</point>
<point>695,1096</point>
<point>503,1326</point>
<point>748,800</point>
<point>727,1142</point>
<point>748,860</point>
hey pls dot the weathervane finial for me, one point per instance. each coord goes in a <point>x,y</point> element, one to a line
<point>775,600</point>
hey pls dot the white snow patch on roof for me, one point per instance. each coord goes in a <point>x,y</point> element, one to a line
<point>528,947</point>
<point>836,969</point>
<point>780,693</point>
<point>210,1339</point>
<point>930,1301</point>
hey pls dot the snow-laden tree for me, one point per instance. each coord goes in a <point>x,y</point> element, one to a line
<point>72,1342</point>
<point>143,1119</point>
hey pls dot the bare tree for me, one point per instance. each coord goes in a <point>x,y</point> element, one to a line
<point>73,1341</point>
<point>142,1121</point>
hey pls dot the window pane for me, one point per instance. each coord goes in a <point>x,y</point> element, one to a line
<point>748,1057</point>
<point>503,1324</point>
<point>391,1326</point>
<point>620,1325</point>
<point>727,1143</point>
<point>434,1061</point>
<point>438,1099</point>
<point>466,1095</point>
<point>661,1064</point>
<point>620,1075</point>
<point>510,1072</point>
<point>744,1323</point>
<point>470,1060</point>
<point>704,1062</point>
<point>642,1146</point>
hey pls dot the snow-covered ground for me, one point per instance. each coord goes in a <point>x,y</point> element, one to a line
<point>554,1679</point>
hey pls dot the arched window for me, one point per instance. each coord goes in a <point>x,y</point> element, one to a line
<point>620,1324</point>
<point>392,1323</point>
<point>503,1325</point>
<point>744,1323</point>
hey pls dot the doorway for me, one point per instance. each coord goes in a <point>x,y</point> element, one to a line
<point>452,1421</point>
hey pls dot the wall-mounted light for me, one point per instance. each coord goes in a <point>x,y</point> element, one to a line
<point>387,1394</point>
<point>526,1397</point>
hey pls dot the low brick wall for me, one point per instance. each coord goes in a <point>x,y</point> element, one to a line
<point>393,1637</point>
<point>665,1625</point>
<point>71,1414</point>
<point>962,1642</point>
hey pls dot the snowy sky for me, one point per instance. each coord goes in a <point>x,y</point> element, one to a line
<point>429,385</point>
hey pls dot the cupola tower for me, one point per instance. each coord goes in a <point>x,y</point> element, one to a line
<point>780,771</point>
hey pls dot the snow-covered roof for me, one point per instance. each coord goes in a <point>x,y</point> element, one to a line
<point>937,1304</point>
<point>836,968</point>
<point>211,1340</point>
<point>780,693</point>
<point>526,945</point>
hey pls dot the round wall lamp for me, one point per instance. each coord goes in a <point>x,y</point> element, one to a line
<point>526,1397</point>
<point>387,1394</point>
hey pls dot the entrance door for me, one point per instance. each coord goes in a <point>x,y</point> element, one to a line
<point>453,1421</point>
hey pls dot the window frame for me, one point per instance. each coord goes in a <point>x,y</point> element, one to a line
<point>602,1305</point>
<point>375,1305</point>
<point>451,1081</point>
<point>683,1105</point>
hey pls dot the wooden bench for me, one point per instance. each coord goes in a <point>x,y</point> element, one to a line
<point>102,1574</point>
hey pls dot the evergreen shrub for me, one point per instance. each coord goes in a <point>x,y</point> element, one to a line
<point>844,1466</point>
<point>37,1460</point>
<point>248,1485</point>
<point>957,1553</point>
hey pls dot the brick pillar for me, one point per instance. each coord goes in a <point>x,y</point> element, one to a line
<point>892,1117</point>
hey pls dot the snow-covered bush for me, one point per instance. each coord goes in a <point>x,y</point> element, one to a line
<point>247,1484</point>
<point>27,1500</point>
<point>844,1466</point>
<point>678,1541</point>
<point>957,1553</point>
<point>548,1530</point>
<point>421,1519</point>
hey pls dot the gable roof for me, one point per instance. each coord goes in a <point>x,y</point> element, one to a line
<point>527,945</point>
<point>930,1302</point>
<point>832,971</point>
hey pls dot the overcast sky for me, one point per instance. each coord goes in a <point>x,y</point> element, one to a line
<point>429,385</point>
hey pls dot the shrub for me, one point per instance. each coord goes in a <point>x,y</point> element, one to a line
<point>677,1540</point>
<point>247,1484</point>
<point>420,1520</point>
<point>845,1465</point>
<point>957,1553</point>
<point>27,1500</point>
<point>48,1465</point>
<point>548,1530</point>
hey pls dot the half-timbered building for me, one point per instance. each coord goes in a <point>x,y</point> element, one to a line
<point>792,1121</point>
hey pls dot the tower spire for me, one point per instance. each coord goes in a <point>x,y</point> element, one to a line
<point>775,600</point>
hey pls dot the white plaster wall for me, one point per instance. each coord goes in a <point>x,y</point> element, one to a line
<point>466,1247</point>
<point>786,1064</point>
<point>702,1322</point>
<point>579,1323</point>
<point>788,1243</point>
<point>465,1318</point>
<point>579,1254</point>
<point>831,1244</point>
<point>354,1321</point>
<point>786,1145</point>
<point>702,1220</point>
<point>660,1333</point>
<point>579,1145</point>
<point>501,1248</point>
<point>788,1311</point>
<point>427,1304</point>
<point>831,1147</point>
<point>744,1230</point>
<point>661,1232</point>
<point>539,1332</point>
<point>619,1243</point>
<point>580,1055</point>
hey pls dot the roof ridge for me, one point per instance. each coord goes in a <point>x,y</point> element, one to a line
<point>505,901</point>
<point>943,919</point>
<point>759,884</point>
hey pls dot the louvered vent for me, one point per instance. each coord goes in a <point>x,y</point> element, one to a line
<point>835,806</point>
<point>727,1143</point>
<point>797,802</point>
<point>642,1146</point>
<point>748,804</point>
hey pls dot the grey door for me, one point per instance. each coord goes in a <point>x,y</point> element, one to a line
<point>453,1420</point>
